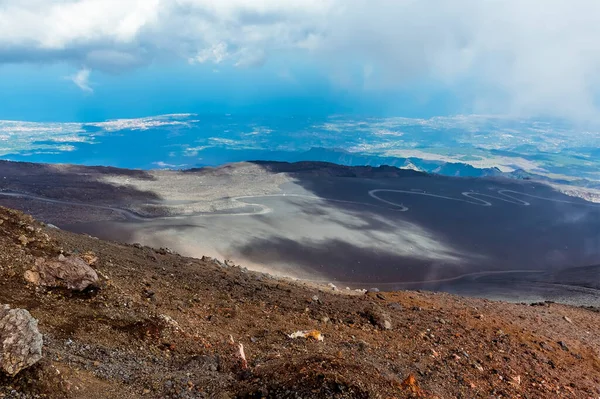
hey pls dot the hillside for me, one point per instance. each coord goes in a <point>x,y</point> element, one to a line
<point>162,325</point>
<point>363,227</point>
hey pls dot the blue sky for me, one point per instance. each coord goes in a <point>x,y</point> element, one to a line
<point>47,93</point>
<point>86,60</point>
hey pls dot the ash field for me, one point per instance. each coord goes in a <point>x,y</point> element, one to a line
<point>357,227</point>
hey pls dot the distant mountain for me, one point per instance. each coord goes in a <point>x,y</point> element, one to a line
<point>218,156</point>
<point>215,157</point>
<point>524,175</point>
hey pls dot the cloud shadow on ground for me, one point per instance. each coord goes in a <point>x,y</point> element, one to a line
<point>548,235</point>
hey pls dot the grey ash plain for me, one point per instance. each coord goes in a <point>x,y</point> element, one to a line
<point>361,227</point>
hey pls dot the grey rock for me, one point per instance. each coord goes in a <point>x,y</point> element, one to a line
<point>20,341</point>
<point>563,346</point>
<point>477,366</point>
<point>363,345</point>
<point>378,317</point>
<point>70,272</point>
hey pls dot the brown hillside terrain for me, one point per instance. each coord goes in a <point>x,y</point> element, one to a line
<point>160,325</point>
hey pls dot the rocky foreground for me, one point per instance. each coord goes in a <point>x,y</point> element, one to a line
<point>83,318</point>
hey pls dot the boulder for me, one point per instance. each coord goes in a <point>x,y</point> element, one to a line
<point>20,341</point>
<point>70,272</point>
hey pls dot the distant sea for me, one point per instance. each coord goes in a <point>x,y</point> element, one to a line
<point>463,145</point>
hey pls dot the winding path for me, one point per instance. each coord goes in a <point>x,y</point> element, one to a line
<point>263,209</point>
<point>474,198</point>
<point>470,197</point>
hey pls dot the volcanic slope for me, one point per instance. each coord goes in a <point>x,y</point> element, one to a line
<point>160,325</point>
<point>361,227</point>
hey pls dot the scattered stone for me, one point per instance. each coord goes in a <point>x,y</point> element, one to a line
<point>373,289</point>
<point>381,297</point>
<point>395,306</point>
<point>137,245</point>
<point>316,299</point>
<point>410,384</point>
<point>477,366</point>
<point>214,261</point>
<point>363,345</point>
<point>90,258</point>
<point>168,321</point>
<point>242,356</point>
<point>563,346</point>
<point>378,317</point>
<point>51,226</point>
<point>545,346</point>
<point>72,273</point>
<point>568,320</point>
<point>314,334</point>
<point>165,251</point>
<point>332,286</point>
<point>20,341</point>
<point>23,240</point>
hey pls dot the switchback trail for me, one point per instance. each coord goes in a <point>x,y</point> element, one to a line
<point>473,198</point>
<point>262,209</point>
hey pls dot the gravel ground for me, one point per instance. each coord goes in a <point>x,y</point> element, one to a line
<point>160,325</point>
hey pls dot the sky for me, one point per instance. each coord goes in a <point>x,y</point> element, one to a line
<point>92,60</point>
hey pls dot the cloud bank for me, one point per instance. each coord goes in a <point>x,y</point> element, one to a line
<point>537,57</point>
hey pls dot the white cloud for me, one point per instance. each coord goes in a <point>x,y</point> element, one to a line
<point>216,54</point>
<point>193,151</point>
<point>82,80</point>
<point>164,165</point>
<point>536,57</point>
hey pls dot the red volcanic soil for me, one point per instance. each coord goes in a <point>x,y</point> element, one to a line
<point>160,325</point>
